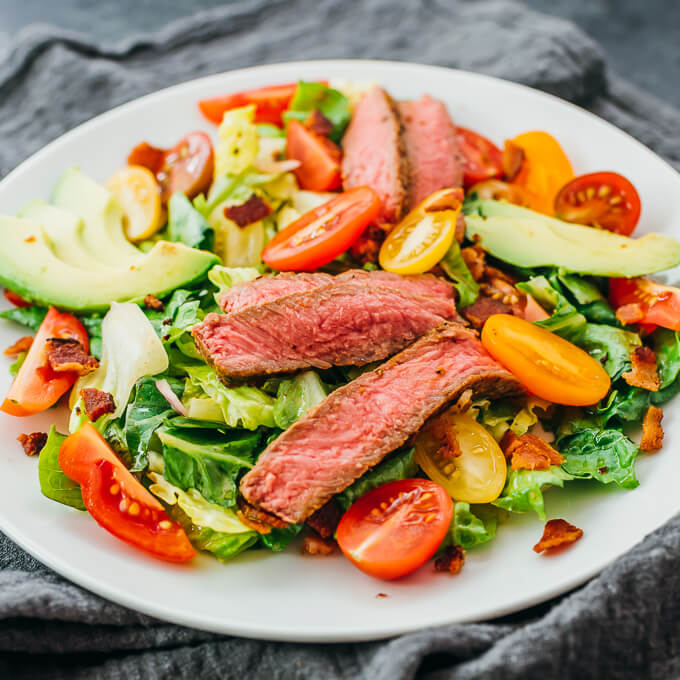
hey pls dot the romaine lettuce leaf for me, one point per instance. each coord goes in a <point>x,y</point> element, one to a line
<point>296,396</point>
<point>469,529</point>
<point>518,415</point>
<point>238,142</point>
<point>188,225</point>
<point>587,297</point>
<point>225,278</point>
<point>26,316</point>
<point>624,403</point>
<point>456,269</point>
<point>667,348</point>
<point>278,539</point>
<point>53,482</point>
<point>17,363</point>
<point>331,103</point>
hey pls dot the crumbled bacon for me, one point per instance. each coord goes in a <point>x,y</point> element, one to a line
<point>253,210</point>
<point>452,560</point>
<point>530,452</point>
<point>152,302</point>
<point>500,289</point>
<point>367,247</point>
<point>513,159</point>
<point>318,123</point>
<point>257,519</point>
<point>652,432</point>
<point>97,403</point>
<point>67,354</point>
<point>451,200</point>
<point>506,443</point>
<point>631,313</point>
<point>21,345</point>
<point>460,227</point>
<point>643,372</point>
<point>475,259</point>
<point>315,545</point>
<point>33,443</point>
<point>482,308</point>
<point>557,532</point>
<point>325,520</point>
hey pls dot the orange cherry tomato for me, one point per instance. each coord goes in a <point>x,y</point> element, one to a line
<point>319,158</point>
<point>545,169</point>
<point>644,302</point>
<point>546,364</point>
<point>323,233</point>
<point>15,299</point>
<point>36,386</point>
<point>396,528</point>
<point>117,500</point>
<point>482,159</point>
<point>602,199</point>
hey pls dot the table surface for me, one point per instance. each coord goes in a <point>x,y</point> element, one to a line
<point>640,38</point>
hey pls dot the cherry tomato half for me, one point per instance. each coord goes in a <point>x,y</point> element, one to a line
<point>602,199</point>
<point>319,158</point>
<point>322,234</point>
<point>36,386</point>
<point>546,364</point>
<point>482,159</point>
<point>117,500</point>
<point>477,474</point>
<point>644,302</point>
<point>186,168</point>
<point>15,298</point>
<point>396,528</point>
<point>497,190</point>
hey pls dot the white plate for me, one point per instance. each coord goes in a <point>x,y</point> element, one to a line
<point>287,596</point>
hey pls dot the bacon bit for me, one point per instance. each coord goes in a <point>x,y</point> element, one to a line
<point>367,247</point>
<point>631,313</point>
<point>258,519</point>
<point>152,302</point>
<point>97,403</point>
<point>381,595</point>
<point>318,123</point>
<point>314,545</point>
<point>484,307</point>
<point>500,289</point>
<point>325,520</point>
<point>33,443</point>
<point>652,432</point>
<point>451,200</point>
<point>464,402</point>
<point>452,560</point>
<point>557,532</point>
<point>513,158</point>
<point>530,452</point>
<point>253,210</point>
<point>507,442</point>
<point>475,259</point>
<point>643,371</point>
<point>21,345</point>
<point>444,432</point>
<point>460,227</point>
<point>67,354</point>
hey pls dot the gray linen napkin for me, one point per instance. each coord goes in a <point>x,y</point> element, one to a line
<point>623,624</point>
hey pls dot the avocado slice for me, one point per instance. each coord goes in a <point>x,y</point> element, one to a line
<point>29,266</point>
<point>528,239</point>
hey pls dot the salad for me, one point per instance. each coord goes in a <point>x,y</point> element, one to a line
<point>343,318</point>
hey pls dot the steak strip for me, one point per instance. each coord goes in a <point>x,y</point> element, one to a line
<point>357,425</point>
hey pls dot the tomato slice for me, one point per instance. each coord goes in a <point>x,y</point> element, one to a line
<point>497,190</point>
<point>546,364</point>
<point>477,474</point>
<point>15,299</point>
<point>396,528</point>
<point>422,238</point>
<point>602,199</point>
<point>482,159</point>
<point>36,386</point>
<point>322,234</point>
<point>644,302</point>
<point>117,500</point>
<point>186,168</point>
<point>545,169</point>
<point>319,158</point>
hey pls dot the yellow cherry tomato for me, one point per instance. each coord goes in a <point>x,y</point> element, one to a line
<point>422,238</point>
<point>137,192</point>
<point>546,364</point>
<point>478,474</point>
<point>545,169</point>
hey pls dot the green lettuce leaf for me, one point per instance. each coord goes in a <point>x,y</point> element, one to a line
<point>331,103</point>
<point>17,363</point>
<point>187,225</point>
<point>296,396</point>
<point>53,482</point>
<point>26,316</point>
<point>278,539</point>
<point>456,269</point>
<point>225,278</point>
<point>666,345</point>
<point>624,403</point>
<point>587,297</point>
<point>469,529</point>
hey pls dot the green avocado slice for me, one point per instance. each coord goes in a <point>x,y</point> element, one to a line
<point>525,238</point>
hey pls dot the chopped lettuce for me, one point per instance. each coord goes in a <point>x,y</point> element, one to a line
<point>610,346</point>
<point>523,490</point>
<point>330,102</point>
<point>188,225</point>
<point>456,269</point>
<point>624,403</point>
<point>225,278</point>
<point>53,482</point>
<point>238,142</point>
<point>587,298</point>
<point>17,363</point>
<point>518,415</point>
<point>26,316</point>
<point>296,396</point>
<point>278,539</point>
<point>399,465</point>
<point>667,348</point>
<point>469,529</point>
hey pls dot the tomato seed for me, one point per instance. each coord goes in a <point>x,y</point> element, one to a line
<point>114,489</point>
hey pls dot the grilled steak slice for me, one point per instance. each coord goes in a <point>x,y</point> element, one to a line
<point>374,153</point>
<point>267,288</point>
<point>357,425</point>
<point>431,148</point>
<point>338,325</point>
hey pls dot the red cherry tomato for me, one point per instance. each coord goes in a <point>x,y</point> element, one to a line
<point>186,168</point>
<point>482,159</point>
<point>322,234</point>
<point>36,386</point>
<point>117,500</point>
<point>319,158</point>
<point>15,299</point>
<point>644,302</point>
<point>396,528</point>
<point>602,199</point>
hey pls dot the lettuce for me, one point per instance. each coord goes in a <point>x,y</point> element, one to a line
<point>278,539</point>
<point>624,403</point>
<point>523,490</point>
<point>456,269</point>
<point>296,396</point>
<point>53,482</point>
<point>225,278</point>
<point>238,142</point>
<point>26,316</point>
<point>667,348</point>
<point>587,298</point>
<point>17,363</point>
<point>330,102</point>
<point>469,529</point>
<point>502,414</point>
<point>188,225</point>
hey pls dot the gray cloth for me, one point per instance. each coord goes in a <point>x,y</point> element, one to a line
<point>623,624</point>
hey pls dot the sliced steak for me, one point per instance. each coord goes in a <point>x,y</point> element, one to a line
<point>357,425</point>
<point>431,149</point>
<point>268,288</point>
<point>338,325</point>
<point>374,153</point>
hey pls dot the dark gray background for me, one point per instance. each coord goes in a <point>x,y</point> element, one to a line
<point>641,37</point>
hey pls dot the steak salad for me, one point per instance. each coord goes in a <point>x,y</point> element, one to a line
<point>343,321</point>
